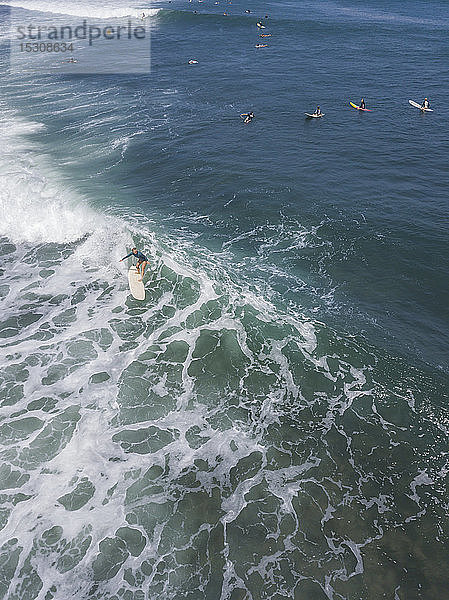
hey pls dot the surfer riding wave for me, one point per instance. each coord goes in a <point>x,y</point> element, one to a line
<point>142,260</point>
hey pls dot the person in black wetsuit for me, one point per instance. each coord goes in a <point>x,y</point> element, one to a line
<point>362,103</point>
<point>317,111</point>
<point>142,260</point>
<point>425,104</point>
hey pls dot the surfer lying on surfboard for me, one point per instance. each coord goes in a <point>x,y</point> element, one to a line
<point>142,260</point>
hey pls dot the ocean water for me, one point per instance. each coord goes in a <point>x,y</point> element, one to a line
<point>272,422</point>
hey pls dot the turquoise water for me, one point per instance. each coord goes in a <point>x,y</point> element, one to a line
<point>272,421</point>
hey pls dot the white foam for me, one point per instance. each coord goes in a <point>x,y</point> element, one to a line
<point>84,9</point>
<point>35,206</point>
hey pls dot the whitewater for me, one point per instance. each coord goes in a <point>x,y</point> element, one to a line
<point>271,422</point>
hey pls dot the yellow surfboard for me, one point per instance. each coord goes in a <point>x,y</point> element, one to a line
<point>359,108</point>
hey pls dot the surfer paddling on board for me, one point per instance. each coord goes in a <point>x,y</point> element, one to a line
<point>142,260</point>
<point>248,117</point>
<point>425,104</point>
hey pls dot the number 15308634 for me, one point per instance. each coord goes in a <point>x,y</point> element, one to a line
<point>46,47</point>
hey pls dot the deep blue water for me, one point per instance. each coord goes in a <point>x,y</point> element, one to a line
<point>272,422</point>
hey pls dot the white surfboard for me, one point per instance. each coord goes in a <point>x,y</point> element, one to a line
<point>135,285</point>
<point>416,105</point>
<point>312,116</point>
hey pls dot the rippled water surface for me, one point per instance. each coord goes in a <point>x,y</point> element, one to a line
<point>271,422</point>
